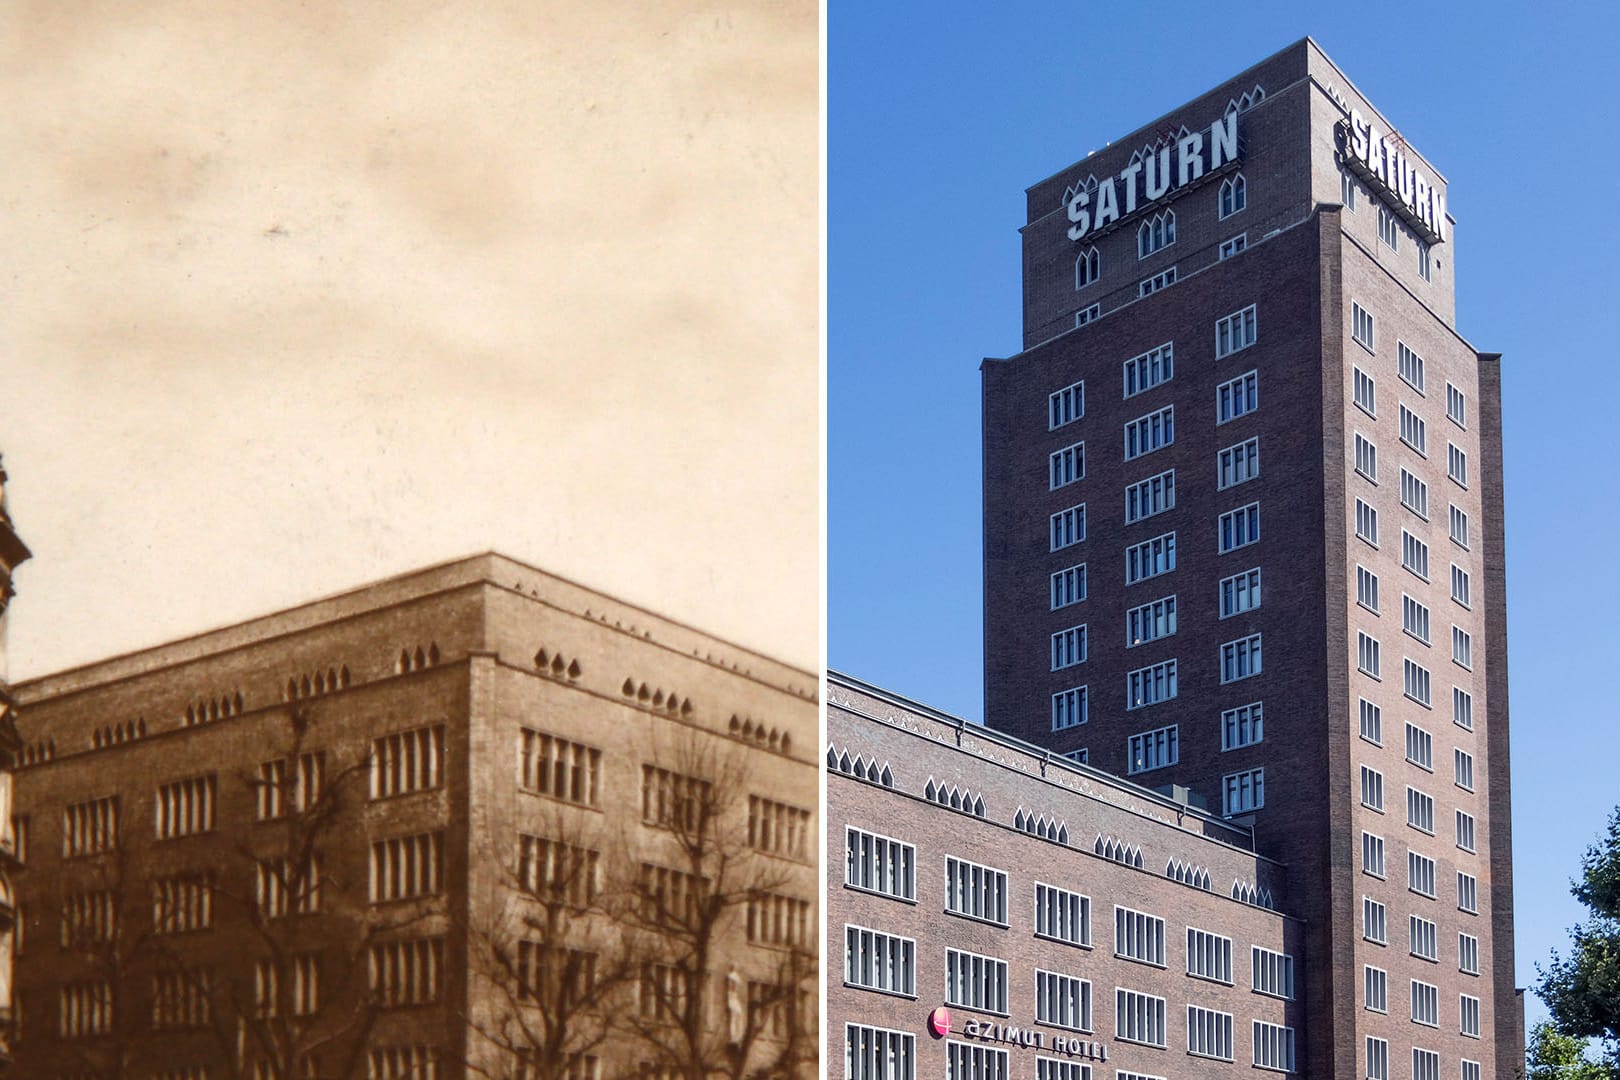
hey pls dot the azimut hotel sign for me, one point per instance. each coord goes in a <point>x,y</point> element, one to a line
<point>1381,161</point>
<point>1179,163</point>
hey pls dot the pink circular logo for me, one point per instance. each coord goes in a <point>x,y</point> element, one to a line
<point>939,1022</point>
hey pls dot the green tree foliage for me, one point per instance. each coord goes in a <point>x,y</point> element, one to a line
<point>1582,989</point>
<point>1560,1057</point>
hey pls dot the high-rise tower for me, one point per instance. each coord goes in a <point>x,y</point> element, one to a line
<point>1243,534</point>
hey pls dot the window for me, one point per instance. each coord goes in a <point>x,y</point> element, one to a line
<point>1347,191</point>
<point>1065,406</point>
<point>1236,332</point>
<point>1152,749</point>
<point>86,1009</point>
<point>1087,266</point>
<point>1365,392</point>
<point>1150,369</point>
<point>410,1062</point>
<point>89,919</point>
<point>1372,920</point>
<point>877,1054</point>
<point>1367,659</point>
<point>1150,558</point>
<point>1066,466</point>
<point>1139,1017</point>
<point>1242,726</point>
<point>1156,233</point>
<point>1420,810</point>
<point>1162,280</point>
<point>180,904</point>
<point>1068,586</point>
<point>880,864</point>
<point>1242,792</point>
<point>1367,589</point>
<point>1062,1000</point>
<point>979,892</point>
<point>1372,788</point>
<point>1376,985</point>
<point>1209,1033</point>
<point>1467,954</point>
<point>1150,685</point>
<point>670,800</point>
<point>1456,406</point>
<point>1148,433</point>
<point>1415,495</point>
<point>1366,523</point>
<point>670,898</point>
<point>1457,465</point>
<point>185,807</point>
<point>1372,855</point>
<point>1424,938</point>
<point>406,972</point>
<point>1068,526</point>
<point>294,783</point>
<point>1372,722</point>
<point>1462,765</point>
<point>1414,618</point>
<point>1366,457</point>
<point>1409,365</point>
<point>1414,432</point>
<point>1062,915</point>
<point>1459,584</point>
<point>1420,874</point>
<point>1070,707</point>
<point>1459,527</point>
<point>975,982</point>
<point>877,961</point>
<point>1209,956</point>
<point>1467,893</point>
<point>1377,1058</point>
<point>1053,1069</point>
<point>1234,196</point>
<point>1138,936</point>
<point>1425,268</point>
<point>1361,326</point>
<point>1239,528</point>
<point>1273,1046</point>
<point>407,866</point>
<point>1469,1007</point>
<point>965,1061</point>
<point>408,761</point>
<point>1465,830</point>
<point>1462,647</point>
<point>1238,464</point>
<point>557,871</point>
<point>1273,973</point>
<point>284,888</point>
<point>1087,314</point>
<point>1414,555</point>
<point>664,992</point>
<point>1241,592</point>
<point>1233,245</point>
<point>1462,708</point>
<point>1152,496</point>
<point>1240,659</point>
<point>89,828</point>
<point>1150,622</point>
<point>1388,231</point>
<point>1415,681</point>
<point>778,829</point>
<point>1237,397</point>
<point>1419,747</point>
<point>1069,647</point>
<point>1425,1008</point>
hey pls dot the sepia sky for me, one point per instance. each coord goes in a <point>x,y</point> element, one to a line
<point>300,296</point>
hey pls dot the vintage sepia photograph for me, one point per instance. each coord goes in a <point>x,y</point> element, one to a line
<point>410,541</point>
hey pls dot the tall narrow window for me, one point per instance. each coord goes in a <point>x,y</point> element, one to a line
<point>1361,326</point>
<point>1086,267</point>
<point>1156,233</point>
<point>1236,331</point>
<point>1234,195</point>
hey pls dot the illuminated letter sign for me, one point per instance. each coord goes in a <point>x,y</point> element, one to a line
<point>1381,161</point>
<point>1142,183</point>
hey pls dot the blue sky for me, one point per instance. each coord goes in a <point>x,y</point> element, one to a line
<point>939,116</point>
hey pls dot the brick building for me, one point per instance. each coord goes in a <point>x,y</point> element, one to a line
<point>472,820</point>
<point>13,553</point>
<point>1070,924</point>
<point>1243,534</point>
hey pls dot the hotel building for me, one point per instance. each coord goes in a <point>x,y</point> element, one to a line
<point>1243,535</point>
<point>473,820</point>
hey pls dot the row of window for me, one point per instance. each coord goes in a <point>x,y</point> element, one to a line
<point>1159,231</point>
<point>1424,999</point>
